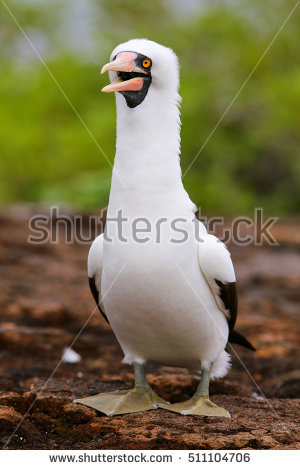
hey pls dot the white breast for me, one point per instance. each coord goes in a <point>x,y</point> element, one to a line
<point>160,306</point>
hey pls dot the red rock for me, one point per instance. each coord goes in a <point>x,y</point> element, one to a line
<point>78,414</point>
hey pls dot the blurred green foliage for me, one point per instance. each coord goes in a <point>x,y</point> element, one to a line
<point>252,159</point>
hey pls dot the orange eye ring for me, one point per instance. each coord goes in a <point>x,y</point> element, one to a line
<point>146,63</point>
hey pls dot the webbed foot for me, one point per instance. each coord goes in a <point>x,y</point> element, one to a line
<point>197,405</point>
<point>120,402</point>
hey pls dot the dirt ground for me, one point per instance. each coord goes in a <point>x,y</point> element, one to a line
<point>45,303</point>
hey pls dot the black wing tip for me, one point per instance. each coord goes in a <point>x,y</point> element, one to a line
<point>237,338</point>
<point>95,293</point>
<point>228,295</point>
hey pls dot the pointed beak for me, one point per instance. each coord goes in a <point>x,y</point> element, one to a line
<point>134,84</point>
<point>124,62</point>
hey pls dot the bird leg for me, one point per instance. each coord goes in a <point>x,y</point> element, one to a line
<point>200,403</point>
<point>140,398</point>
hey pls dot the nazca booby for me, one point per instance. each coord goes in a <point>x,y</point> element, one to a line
<point>168,300</point>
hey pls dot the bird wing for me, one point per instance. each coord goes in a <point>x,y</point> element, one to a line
<point>95,262</point>
<point>217,268</point>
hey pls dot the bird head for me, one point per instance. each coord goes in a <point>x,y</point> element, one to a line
<point>139,66</point>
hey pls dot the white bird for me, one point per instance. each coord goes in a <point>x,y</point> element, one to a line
<point>165,285</point>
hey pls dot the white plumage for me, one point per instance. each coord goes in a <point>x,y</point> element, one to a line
<point>162,307</point>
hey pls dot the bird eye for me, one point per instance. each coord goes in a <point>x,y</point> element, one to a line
<point>146,63</point>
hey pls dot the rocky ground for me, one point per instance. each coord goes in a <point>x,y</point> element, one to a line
<point>46,306</point>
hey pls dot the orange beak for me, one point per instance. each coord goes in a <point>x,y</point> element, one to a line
<point>124,62</point>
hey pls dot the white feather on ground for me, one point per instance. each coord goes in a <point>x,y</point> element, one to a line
<point>70,356</point>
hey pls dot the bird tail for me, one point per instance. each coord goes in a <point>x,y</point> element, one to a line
<point>237,338</point>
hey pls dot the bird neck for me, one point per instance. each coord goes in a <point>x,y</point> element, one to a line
<point>148,142</point>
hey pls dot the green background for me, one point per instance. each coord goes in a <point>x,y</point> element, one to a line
<point>252,159</point>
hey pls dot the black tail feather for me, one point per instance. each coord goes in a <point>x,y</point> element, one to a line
<point>237,338</point>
